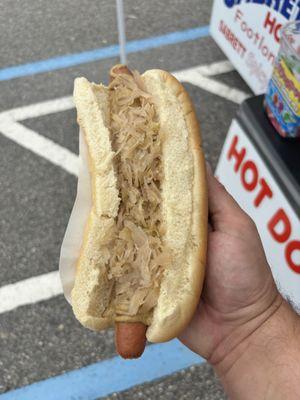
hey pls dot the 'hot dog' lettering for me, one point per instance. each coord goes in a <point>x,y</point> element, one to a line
<point>278,223</point>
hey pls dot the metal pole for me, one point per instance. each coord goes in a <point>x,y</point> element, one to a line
<point>121,31</point>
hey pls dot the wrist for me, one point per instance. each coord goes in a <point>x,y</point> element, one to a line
<point>264,364</point>
<point>251,320</point>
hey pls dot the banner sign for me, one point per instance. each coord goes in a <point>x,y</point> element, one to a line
<point>249,32</point>
<point>245,175</point>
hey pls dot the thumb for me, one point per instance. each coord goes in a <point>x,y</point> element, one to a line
<point>224,211</point>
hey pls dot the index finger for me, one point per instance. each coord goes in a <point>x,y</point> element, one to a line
<point>224,211</point>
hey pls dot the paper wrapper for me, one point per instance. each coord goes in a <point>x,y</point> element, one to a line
<point>72,241</point>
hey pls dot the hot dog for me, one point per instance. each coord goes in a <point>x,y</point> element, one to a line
<point>141,265</point>
<point>130,337</point>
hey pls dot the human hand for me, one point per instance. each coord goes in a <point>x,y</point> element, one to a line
<point>239,292</point>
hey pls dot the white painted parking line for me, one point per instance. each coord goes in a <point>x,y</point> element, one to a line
<point>29,291</point>
<point>217,88</point>
<point>40,145</point>
<point>201,76</point>
<point>45,286</point>
<point>39,109</point>
<point>216,68</point>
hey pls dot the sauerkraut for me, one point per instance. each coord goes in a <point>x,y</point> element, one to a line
<point>138,256</point>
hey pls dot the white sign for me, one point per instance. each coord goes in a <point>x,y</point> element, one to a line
<point>245,175</point>
<point>248,33</point>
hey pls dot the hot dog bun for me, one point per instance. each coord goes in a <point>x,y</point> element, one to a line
<point>183,209</point>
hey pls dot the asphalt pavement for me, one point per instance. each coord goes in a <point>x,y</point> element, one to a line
<point>42,340</point>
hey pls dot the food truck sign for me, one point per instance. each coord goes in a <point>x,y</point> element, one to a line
<point>249,33</point>
<point>244,173</point>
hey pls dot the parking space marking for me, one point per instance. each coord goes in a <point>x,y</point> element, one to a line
<point>201,76</point>
<point>218,88</point>
<point>39,109</point>
<point>40,145</point>
<point>28,293</point>
<point>108,376</point>
<point>215,68</point>
<point>133,46</point>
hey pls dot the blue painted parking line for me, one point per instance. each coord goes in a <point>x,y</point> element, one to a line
<point>114,375</point>
<point>69,60</point>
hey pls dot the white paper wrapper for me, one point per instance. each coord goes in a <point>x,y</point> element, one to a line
<point>71,244</point>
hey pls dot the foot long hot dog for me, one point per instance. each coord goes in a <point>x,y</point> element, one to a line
<point>130,337</point>
<point>141,265</point>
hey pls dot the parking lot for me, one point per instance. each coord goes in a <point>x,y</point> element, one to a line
<point>39,336</point>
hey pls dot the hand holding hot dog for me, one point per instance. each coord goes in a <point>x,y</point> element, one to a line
<point>243,326</point>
